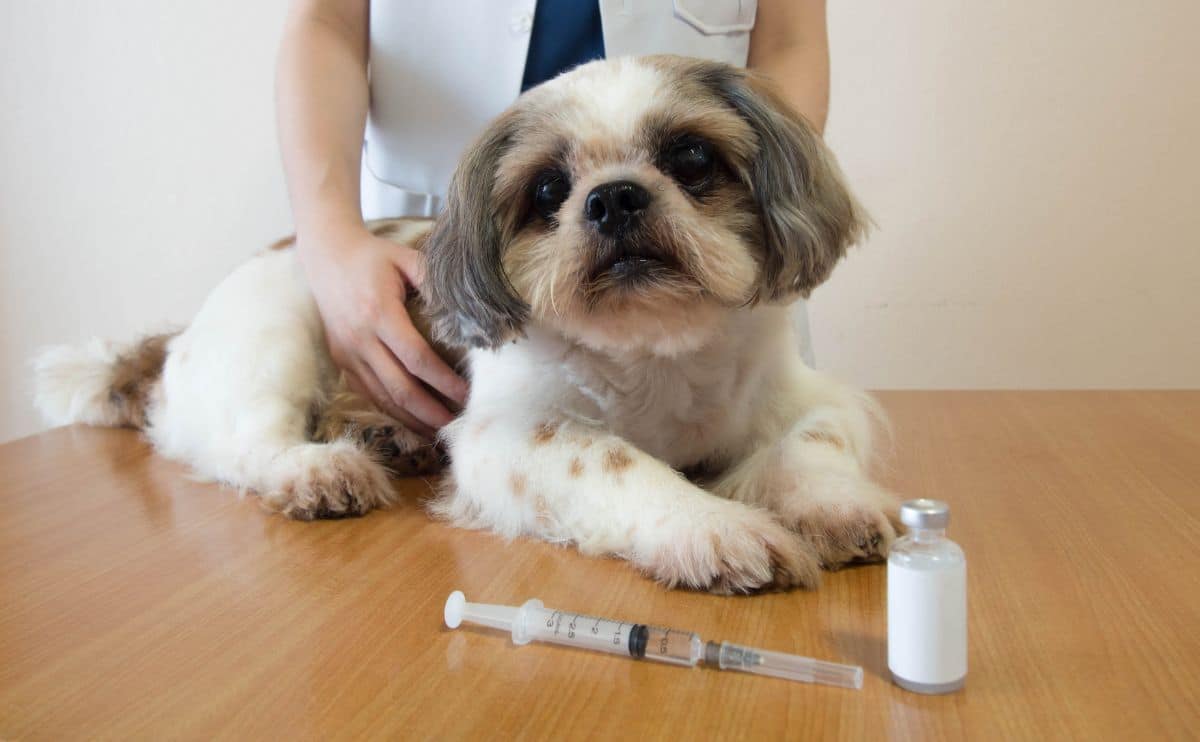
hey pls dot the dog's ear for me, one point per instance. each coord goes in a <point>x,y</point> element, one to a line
<point>809,216</point>
<point>471,301</point>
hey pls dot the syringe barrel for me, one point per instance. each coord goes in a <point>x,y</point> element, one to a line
<point>536,622</point>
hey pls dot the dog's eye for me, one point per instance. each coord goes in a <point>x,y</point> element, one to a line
<point>690,161</point>
<point>549,191</point>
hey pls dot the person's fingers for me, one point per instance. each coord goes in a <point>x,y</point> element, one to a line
<point>411,264</point>
<point>363,389</point>
<point>413,351</point>
<point>364,381</point>
<point>404,390</point>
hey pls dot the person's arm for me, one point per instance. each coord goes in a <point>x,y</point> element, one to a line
<point>790,44</point>
<point>359,280</point>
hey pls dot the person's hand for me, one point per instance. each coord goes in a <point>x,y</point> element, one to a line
<point>360,282</point>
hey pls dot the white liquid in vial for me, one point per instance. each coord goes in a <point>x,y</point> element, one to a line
<point>927,613</point>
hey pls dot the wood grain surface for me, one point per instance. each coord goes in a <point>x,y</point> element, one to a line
<point>135,603</point>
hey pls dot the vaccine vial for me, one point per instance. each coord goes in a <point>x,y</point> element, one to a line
<point>927,602</point>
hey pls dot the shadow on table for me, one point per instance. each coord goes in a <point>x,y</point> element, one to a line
<point>865,650</point>
<point>129,460</point>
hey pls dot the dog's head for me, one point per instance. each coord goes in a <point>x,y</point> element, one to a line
<point>628,203</point>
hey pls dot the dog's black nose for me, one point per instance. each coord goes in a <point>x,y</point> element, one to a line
<point>614,206</point>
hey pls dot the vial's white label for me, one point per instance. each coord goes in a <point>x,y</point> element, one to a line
<point>927,623</point>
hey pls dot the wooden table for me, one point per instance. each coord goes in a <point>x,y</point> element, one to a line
<point>134,603</point>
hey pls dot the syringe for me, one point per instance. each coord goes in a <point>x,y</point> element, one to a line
<point>534,621</point>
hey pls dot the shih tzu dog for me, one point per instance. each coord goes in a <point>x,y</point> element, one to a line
<point>616,259</point>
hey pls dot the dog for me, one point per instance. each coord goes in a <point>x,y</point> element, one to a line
<point>614,267</point>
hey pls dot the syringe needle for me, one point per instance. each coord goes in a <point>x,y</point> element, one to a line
<point>729,656</point>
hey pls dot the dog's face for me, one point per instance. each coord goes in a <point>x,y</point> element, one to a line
<point>629,203</point>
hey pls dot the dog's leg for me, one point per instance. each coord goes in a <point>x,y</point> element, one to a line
<point>263,446</point>
<point>307,480</point>
<point>239,390</point>
<point>814,477</point>
<point>522,474</point>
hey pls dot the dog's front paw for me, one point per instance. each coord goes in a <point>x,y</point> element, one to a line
<point>860,528</point>
<point>735,550</point>
<point>326,480</point>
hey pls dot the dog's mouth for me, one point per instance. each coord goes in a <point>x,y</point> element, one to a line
<point>631,264</point>
<point>637,273</point>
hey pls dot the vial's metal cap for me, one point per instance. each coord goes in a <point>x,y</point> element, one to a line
<point>925,514</point>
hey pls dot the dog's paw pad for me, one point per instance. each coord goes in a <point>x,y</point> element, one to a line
<point>744,553</point>
<point>845,532</point>
<point>327,481</point>
<point>402,452</point>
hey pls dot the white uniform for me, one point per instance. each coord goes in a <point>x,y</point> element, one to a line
<point>442,69</point>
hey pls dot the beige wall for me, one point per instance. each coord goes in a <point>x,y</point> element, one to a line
<point>1032,167</point>
<point>137,166</point>
<point>1034,170</point>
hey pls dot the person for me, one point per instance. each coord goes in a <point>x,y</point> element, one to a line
<point>419,81</point>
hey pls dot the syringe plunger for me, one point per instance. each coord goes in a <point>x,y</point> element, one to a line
<point>496,616</point>
<point>533,621</point>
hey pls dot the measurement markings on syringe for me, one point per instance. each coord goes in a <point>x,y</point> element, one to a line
<point>574,622</point>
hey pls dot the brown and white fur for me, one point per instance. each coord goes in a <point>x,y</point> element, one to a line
<point>247,394</point>
<point>618,252</point>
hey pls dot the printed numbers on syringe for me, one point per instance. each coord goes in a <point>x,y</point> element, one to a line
<point>603,634</point>
<point>617,637</point>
